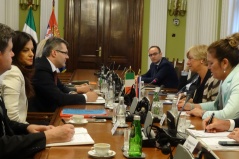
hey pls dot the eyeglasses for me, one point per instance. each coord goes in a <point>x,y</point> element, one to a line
<point>153,54</point>
<point>63,52</point>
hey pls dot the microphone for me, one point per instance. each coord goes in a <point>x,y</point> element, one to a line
<point>123,71</point>
<point>187,99</point>
<point>117,68</point>
<point>139,72</point>
<point>113,67</point>
<point>152,82</point>
<point>181,90</point>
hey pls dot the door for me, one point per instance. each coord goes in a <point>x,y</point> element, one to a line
<point>104,32</point>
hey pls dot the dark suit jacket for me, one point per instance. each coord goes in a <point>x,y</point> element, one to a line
<point>17,143</point>
<point>165,74</point>
<point>183,82</point>
<point>236,122</point>
<point>48,95</point>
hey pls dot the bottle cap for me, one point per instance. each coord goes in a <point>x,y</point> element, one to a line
<point>136,117</point>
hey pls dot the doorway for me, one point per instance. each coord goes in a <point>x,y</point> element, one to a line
<point>104,32</point>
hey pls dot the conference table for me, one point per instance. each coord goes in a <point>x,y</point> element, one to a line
<point>101,132</point>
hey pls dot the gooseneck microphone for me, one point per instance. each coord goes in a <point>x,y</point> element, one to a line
<point>117,68</point>
<point>181,90</point>
<point>152,82</point>
<point>187,99</point>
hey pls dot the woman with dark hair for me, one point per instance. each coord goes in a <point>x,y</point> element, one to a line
<point>16,85</point>
<point>223,59</point>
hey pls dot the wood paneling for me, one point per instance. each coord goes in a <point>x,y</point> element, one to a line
<point>115,26</point>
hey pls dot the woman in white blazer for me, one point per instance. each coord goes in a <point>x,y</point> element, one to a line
<point>223,59</point>
<point>16,86</point>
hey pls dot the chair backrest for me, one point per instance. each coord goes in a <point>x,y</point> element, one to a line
<point>182,153</point>
<point>179,66</point>
<point>172,62</point>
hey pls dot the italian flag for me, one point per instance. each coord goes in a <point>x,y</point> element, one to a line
<point>29,26</point>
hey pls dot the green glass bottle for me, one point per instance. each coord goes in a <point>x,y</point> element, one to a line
<point>135,141</point>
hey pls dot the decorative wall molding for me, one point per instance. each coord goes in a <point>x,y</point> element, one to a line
<point>46,9</point>
<point>157,25</point>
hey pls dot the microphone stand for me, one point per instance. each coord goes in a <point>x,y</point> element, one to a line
<point>187,99</point>
<point>154,81</point>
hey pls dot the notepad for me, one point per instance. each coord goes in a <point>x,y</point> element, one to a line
<point>81,137</point>
<point>68,112</point>
<point>99,100</point>
<point>203,134</point>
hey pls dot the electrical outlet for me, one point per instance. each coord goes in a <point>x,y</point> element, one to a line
<point>176,21</point>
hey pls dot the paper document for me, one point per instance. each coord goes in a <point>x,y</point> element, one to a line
<point>203,134</point>
<point>81,137</point>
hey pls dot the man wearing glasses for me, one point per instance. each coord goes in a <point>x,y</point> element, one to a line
<point>50,92</point>
<point>161,71</point>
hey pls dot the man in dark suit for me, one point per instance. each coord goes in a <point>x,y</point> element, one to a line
<point>50,92</point>
<point>219,125</point>
<point>19,140</point>
<point>161,71</point>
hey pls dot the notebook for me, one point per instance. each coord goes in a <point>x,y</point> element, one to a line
<point>81,137</point>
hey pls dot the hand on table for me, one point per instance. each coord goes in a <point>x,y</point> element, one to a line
<point>196,112</point>
<point>91,96</point>
<point>61,133</point>
<point>181,103</point>
<point>32,128</point>
<point>83,88</point>
<point>234,134</point>
<point>217,125</point>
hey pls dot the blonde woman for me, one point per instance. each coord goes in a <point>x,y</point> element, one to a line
<point>223,59</point>
<point>206,85</point>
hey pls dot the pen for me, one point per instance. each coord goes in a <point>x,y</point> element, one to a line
<point>64,122</point>
<point>209,121</point>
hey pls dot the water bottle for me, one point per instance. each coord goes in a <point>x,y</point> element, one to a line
<point>155,105</point>
<point>110,97</point>
<point>121,111</point>
<point>135,140</point>
<point>174,108</point>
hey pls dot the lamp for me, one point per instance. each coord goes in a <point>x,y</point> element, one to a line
<point>24,4</point>
<point>177,7</point>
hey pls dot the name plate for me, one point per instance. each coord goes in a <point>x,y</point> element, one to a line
<point>116,125</point>
<point>190,143</point>
<point>162,119</point>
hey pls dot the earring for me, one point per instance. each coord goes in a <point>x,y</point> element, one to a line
<point>224,71</point>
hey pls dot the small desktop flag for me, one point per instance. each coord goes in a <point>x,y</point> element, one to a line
<point>29,26</point>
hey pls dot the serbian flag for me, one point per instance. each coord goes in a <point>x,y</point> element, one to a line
<point>52,28</point>
<point>29,26</point>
